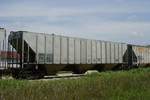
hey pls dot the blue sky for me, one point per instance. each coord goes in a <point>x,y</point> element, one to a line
<point>126,21</point>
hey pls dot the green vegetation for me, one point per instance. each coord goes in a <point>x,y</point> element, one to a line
<point>110,85</point>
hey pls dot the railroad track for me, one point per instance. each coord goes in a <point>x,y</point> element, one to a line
<point>68,75</point>
<point>63,76</point>
<point>58,76</point>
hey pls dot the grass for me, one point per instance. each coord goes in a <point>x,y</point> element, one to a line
<point>120,85</point>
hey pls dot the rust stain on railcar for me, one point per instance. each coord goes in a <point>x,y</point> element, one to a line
<point>148,50</point>
<point>140,49</point>
<point>134,48</point>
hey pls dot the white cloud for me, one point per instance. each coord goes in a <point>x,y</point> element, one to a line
<point>137,34</point>
<point>17,23</point>
<point>134,33</point>
<point>132,17</point>
<point>85,21</point>
<point>21,9</point>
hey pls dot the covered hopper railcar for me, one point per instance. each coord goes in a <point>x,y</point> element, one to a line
<point>46,54</point>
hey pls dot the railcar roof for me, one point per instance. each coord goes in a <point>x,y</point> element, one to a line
<point>66,36</point>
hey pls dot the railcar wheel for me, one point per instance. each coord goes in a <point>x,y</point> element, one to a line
<point>16,76</point>
<point>101,69</point>
<point>41,74</point>
<point>25,74</point>
<point>79,71</point>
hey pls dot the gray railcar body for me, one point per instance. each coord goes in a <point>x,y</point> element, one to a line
<point>49,50</point>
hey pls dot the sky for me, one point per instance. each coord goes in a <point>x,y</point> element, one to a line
<point>125,21</point>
